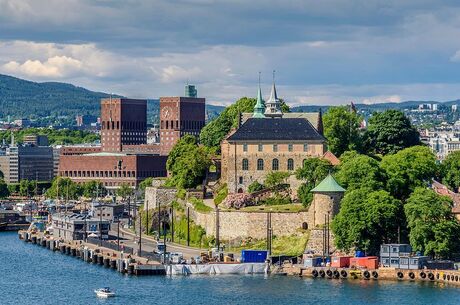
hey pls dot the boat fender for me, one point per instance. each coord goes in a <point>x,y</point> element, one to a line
<point>400,275</point>
<point>422,275</point>
<point>329,273</point>
<point>456,278</point>
<point>336,274</point>
<point>431,276</point>
<point>411,275</point>
<point>343,273</point>
<point>314,273</point>
<point>448,277</point>
<point>321,273</point>
<point>375,274</point>
<point>366,274</point>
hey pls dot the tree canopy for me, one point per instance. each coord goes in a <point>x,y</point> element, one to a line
<point>64,188</point>
<point>409,168</point>
<point>124,191</point>
<point>313,171</point>
<point>358,171</point>
<point>4,191</point>
<point>341,129</point>
<point>187,163</point>
<point>389,132</point>
<point>433,229</point>
<point>94,189</point>
<point>450,169</point>
<point>366,219</point>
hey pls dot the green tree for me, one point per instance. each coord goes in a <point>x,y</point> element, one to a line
<point>313,171</point>
<point>433,229</point>
<point>187,163</point>
<point>64,188</point>
<point>366,219</point>
<point>144,184</point>
<point>341,129</point>
<point>389,132</point>
<point>450,170</point>
<point>409,168</point>
<point>124,191</point>
<point>4,191</point>
<point>276,178</point>
<point>26,188</point>
<point>358,171</point>
<point>93,189</point>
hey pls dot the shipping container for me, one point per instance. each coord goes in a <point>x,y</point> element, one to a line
<point>253,256</point>
<point>369,262</point>
<point>340,261</point>
<point>312,261</point>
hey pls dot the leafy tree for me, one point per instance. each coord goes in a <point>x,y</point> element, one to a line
<point>407,169</point>
<point>93,189</point>
<point>450,170</point>
<point>389,132</point>
<point>255,187</point>
<point>366,219</point>
<point>64,188</point>
<point>341,129</point>
<point>124,191</point>
<point>358,171</point>
<point>433,229</point>
<point>144,184</point>
<point>4,191</point>
<point>26,188</point>
<point>314,170</point>
<point>276,178</point>
<point>187,163</point>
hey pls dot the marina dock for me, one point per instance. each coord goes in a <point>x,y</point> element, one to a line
<point>122,262</point>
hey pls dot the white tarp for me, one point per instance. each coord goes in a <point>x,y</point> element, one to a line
<point>246,268</point>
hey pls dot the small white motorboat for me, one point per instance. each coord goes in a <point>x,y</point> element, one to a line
<point>104,292</point>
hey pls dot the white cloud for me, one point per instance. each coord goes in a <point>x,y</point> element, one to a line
<point>56,66</point>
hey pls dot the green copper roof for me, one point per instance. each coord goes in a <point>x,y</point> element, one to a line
<point>328,185</point>
<point>259,108</point>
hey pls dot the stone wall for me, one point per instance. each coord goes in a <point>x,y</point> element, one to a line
<point>158,195</point>
<point>324,204</point>
<point>237,224</point>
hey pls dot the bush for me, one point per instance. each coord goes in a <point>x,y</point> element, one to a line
<point>181,193</point>
<point>277,200</point>
<point>255,187</point>
<point>221,194</point>
<point>199,205</point>
<point>305,195</point>
<point>238,201</point>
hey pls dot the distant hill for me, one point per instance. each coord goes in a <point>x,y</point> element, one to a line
<point>26,99</point>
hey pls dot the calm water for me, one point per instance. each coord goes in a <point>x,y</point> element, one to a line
<point>34,275</point>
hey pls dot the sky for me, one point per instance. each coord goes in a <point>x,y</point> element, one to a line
<point>324,52</point>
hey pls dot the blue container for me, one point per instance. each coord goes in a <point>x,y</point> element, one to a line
<point>253,256</point>
<point>360,253</point>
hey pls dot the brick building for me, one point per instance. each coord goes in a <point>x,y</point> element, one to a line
<point>124,155</point>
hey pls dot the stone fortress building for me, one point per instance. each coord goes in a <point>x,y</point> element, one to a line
<point>269,140</point>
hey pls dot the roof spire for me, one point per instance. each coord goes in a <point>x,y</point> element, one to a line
<point>259,108</point>
<point>273,108</point>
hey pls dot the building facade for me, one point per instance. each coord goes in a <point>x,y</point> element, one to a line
<point>78,226</point>
<point>267,141</point>
<point>27,162</point>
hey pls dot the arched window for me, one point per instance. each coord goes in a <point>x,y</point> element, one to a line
<point>245,164</point>
<point>260,164</point>
<point>275,164</point>
<point>290,165</point>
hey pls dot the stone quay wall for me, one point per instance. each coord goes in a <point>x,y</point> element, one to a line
<point>237,224</point>
<point>158,195</point>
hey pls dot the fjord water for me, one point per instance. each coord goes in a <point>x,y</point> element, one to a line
<point>35,275</point>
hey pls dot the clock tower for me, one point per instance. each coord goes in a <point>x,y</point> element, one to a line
<point>179,116</point>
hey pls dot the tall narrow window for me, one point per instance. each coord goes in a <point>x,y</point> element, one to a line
<point>245,164</point>
<point>290,147</point>
<point>305,147</point>
<point>245,147</point>
<point>275,147</point>
<point>290,165</point>
<point>275,164</point>
<point>260,164</point>
<point>260,147</point>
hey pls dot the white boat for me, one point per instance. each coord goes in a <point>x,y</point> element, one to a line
<point>104,292</point>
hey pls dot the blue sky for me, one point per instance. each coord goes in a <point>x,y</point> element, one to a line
<point>324,52</point>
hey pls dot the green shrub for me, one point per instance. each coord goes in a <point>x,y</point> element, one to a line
<point>255,187</point>
<point>221,194</point>
<point>277,200</point>
<point>181,193</point>
<point>199,205</point>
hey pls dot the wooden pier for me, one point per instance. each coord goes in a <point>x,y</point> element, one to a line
<point>412,275</point>
<point>108,258</point>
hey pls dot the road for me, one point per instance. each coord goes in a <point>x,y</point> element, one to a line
<point>149,243</point>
